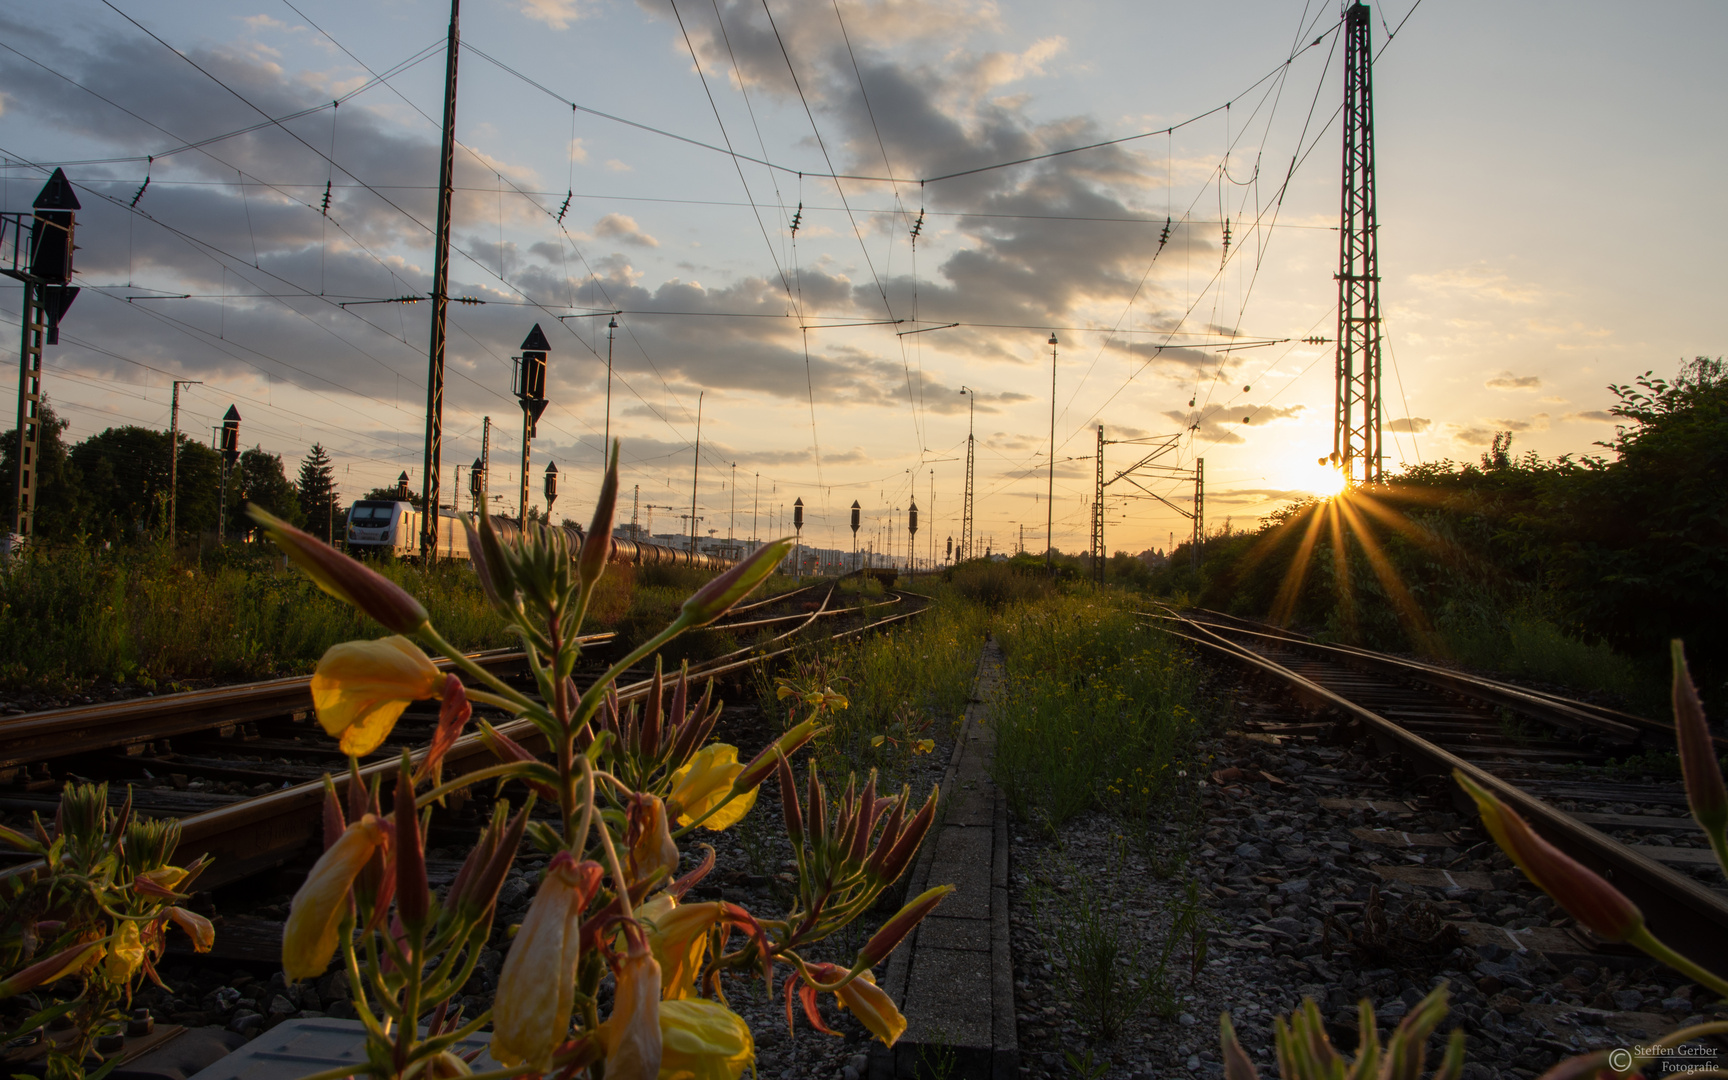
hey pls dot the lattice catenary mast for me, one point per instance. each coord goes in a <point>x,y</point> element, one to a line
<point>1356,450</point>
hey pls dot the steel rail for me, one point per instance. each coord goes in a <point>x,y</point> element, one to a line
<point>31,737</point>
<point>1541,705</point>
<point>28,738</point>
<point>259,833</point>
<point>1678,910</point>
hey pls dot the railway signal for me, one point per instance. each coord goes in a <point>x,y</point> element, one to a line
<point>912,536</point>
<point>530,391</point>
<point>230,454</point>
<point>477,484</point>
<point>42,259</point>
<point>856,510</point>
<point>402,486</point>
<point>798,547</point>
<point>551,488</point>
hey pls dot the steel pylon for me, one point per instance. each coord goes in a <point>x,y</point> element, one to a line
<point>1356,448</point>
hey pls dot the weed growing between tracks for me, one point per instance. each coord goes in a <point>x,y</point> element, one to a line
<point>1099,712</point>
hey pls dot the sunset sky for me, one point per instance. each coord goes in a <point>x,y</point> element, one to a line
<point>1548,177</point>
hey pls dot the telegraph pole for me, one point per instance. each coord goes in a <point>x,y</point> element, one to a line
<point>1199,508</point>
<point>485,506</point>
<point>696,471</point>
<point>1098,514</point>
<point>606,447</point>
<point>965,549</point>
<point>1356,449</point>
<point>174,453</point>
<point>441,301</point>
<point>1050,486</point>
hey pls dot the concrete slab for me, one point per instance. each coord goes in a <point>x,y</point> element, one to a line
<point>954,977</point>
<point>297,1048</point>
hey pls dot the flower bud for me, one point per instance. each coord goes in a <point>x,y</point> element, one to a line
<point>506,749</point>
<point>892,864</point>
<point>413,898</point>
<point>720,595</point>
<point>66,962</point>
<point>895,930</point>
<point>1583,893</point>
<point>494,565</point>
<point>342,577</point>
<point>1237,1064</point>
<point>597,545</point>
<point>309,937</point>
<point>1698,764</point>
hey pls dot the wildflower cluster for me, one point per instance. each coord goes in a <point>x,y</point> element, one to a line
<point>628,781</point>
<point>97,911</point>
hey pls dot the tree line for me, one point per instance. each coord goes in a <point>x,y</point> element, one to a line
<point>113,486</point>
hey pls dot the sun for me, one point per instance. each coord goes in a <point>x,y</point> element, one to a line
<point>1323,480</point>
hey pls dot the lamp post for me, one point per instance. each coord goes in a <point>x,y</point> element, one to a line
<point>230,454</point>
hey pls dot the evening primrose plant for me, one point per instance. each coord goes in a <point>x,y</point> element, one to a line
<point>628,780</point>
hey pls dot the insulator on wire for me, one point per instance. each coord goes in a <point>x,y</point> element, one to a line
<point>1164,237</point>
<point>325,209</point>
<point>139,194</point>
<point>565,208</point>
<point>918,226</point>
<point>1226,237</point>
<point>797,219</point>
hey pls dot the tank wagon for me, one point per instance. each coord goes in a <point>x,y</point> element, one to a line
<point>394,528</point>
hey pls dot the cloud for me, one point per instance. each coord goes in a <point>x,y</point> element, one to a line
<point>1478,281</point>
<point>558,14</point>
<point>1411,424</point>
<point>614,165</point>
<point>1222,425</point>
<point>1594,416</point>
<point>623,228</point>
<point>1508,381</point>
<point>1539,422</point>
<point>1472,435</point>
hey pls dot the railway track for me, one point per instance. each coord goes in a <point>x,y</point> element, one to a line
<point>241,767</point>
<point>1551,758</point>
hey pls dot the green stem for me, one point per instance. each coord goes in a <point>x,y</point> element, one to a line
<point>508,768</point>
<point>474,670</point>
<point>596,693</point>
<point>619,882</point>
<point>1644,939</point>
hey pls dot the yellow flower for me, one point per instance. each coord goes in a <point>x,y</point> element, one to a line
<point>125,954</point>
<point>678,935</point>
<point>197,927</point>
<point>537,985</point>
<point>703,1040</point>
<point>314,919</point>
<point>873,1008</point>
<point>632,1032</point>
<point>704,783</point>
<point>362,687</point>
